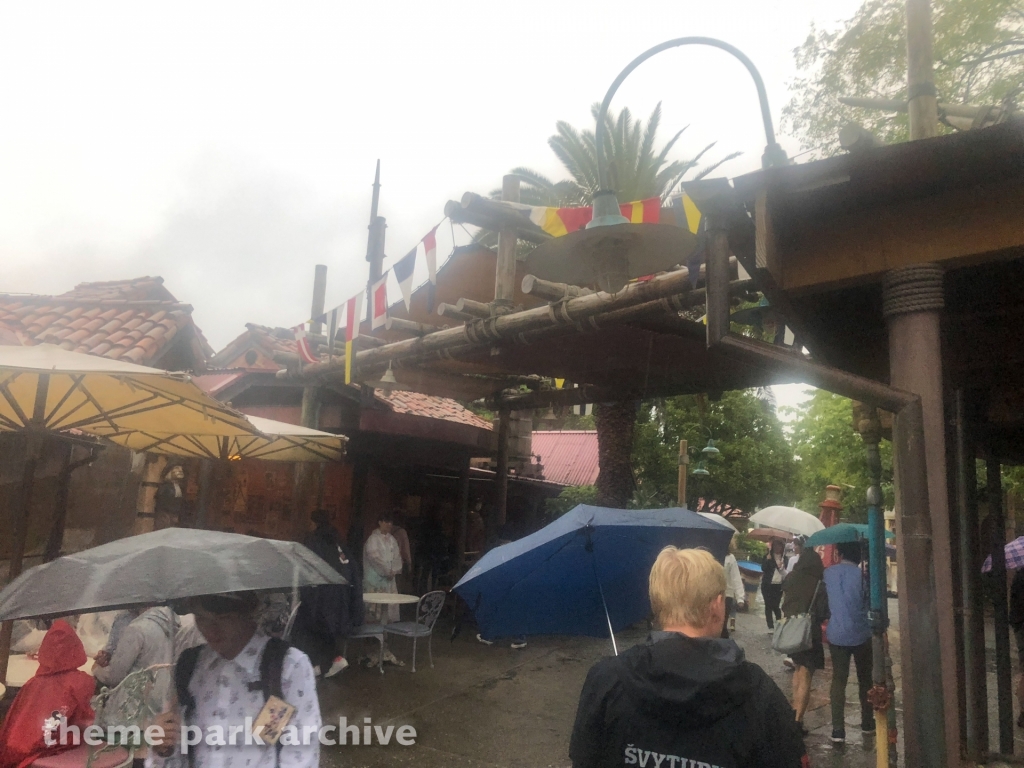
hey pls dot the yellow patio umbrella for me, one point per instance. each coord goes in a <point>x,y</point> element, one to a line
<point>46,390</point>
<point>49,389</point>
<point>276,441</point>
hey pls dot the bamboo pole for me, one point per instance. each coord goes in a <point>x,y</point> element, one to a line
<point>483,332</point>
<point>449,311</point>
<point>474,308</point>
<point>398,324</point>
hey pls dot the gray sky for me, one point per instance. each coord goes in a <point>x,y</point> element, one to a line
<point>230,147</point>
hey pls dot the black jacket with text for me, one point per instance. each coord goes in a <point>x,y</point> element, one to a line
<point>680,702</point>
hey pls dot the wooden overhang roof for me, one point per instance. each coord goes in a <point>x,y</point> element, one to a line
<point>829,230</point>
<point>817,238</point>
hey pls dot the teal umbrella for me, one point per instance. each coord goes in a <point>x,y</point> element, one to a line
<point>841,533</point>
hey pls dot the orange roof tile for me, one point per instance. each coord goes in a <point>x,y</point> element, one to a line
<point>133,320</point>
<point>443,408</point>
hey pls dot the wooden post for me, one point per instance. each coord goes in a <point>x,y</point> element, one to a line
<point>152,475</point>
<point>684,466</point>
<point>505,274</point>
<point>33,444</point>
<point>501,478</point>
<point>206,479</point>
<point>922,103</point>
<point>1004,675</point>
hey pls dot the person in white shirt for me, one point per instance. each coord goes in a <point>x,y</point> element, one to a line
<point>382,562</point>
<point>226,687</point>
<point>735,593</point>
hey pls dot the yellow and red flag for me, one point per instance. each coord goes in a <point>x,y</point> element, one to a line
<point>561,221</point>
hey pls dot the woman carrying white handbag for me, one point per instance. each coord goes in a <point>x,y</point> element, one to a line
<point>804,601</point>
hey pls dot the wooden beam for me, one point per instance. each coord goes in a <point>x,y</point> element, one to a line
<point>953,228</point>
<point>486,332</point>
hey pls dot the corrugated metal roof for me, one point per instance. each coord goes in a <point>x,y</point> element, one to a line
<point>568,457</point>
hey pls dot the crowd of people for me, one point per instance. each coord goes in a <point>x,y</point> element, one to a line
<point>688,692</point>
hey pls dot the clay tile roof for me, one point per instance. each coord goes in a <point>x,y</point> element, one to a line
<point>135,320</point>
<point>568,457</point>
<point>415,404</point>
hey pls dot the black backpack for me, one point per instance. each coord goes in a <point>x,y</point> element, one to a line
<point>271,667</point>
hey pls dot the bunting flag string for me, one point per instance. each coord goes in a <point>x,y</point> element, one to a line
<point>561,221</point>
<point>403,269</point>
<point>379,303</point>
<point>302,344</point>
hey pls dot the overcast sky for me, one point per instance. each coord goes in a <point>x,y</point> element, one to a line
<point>230,147</point>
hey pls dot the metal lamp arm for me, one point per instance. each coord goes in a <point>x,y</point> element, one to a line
<point>762,96</point>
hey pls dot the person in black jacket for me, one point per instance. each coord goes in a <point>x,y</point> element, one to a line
<point>328,613</point>
<point>685,697</point>
<point>773,571</point>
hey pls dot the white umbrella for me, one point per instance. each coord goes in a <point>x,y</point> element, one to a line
<point>718,519</point>
<point>789,519</point>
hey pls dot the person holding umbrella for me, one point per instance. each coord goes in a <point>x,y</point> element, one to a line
<point>328,612</point>
<point>849,636</point>
<point>233,677</point>
<point>773,571</point>
<point>686,696</point>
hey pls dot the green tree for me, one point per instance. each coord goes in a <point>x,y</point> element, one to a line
<point>754,469</point>
<point>977,47</point>
<point>830,452</point>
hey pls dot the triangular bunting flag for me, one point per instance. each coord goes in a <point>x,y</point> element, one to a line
<point>302,343</point>
<point>403,270</point>
<point>430,250</point>
<point>379,303</point>
<point>353,314</point>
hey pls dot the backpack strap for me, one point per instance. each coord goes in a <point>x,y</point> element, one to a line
<point>272,667</point>
<point>183,672</point>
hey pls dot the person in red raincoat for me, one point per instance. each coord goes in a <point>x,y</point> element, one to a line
<point>58,687</point>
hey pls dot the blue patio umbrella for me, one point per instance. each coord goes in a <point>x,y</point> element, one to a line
<point>584,574</point>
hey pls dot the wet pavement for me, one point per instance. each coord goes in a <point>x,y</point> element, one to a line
<point>484,706</point>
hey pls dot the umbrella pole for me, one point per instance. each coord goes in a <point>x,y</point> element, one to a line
<point>604,604</point>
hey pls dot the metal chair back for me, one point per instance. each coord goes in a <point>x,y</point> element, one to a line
<point>429,608</point>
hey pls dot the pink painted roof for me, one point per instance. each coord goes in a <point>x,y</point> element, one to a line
<point>415,404</point>
<point>568,457</point>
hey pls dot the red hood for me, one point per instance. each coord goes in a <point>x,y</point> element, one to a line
<point>61,651</point>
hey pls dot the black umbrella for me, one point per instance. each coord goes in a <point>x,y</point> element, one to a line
<point>159,567</point>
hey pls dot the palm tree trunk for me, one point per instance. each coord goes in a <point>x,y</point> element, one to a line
<point>615,422</point>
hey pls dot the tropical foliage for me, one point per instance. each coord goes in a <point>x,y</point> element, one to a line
<point>637,167</point>
<point>830,452</point>
<point>977,50</point>
<point>755,466</point>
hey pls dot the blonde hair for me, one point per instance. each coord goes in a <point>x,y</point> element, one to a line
<point>683,585</point>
